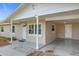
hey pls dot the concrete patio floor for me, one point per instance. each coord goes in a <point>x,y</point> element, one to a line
<point>61,47</point>
<point>64,47</point>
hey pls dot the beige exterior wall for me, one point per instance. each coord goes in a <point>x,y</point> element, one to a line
<point>75,31</point>
<point>60,30</point>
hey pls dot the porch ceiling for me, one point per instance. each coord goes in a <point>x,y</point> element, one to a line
<point>67,21</point>
<point>28,19</point>
<point>23,20</point>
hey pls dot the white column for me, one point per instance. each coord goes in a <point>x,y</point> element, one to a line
<point>11,31</point>
<point>37,36</point>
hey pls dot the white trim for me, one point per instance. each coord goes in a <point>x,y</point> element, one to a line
<point>11,31</point>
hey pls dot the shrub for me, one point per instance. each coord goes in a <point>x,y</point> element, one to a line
<point>14,38</point>
<point>7,38</point>
<point>2,37</point>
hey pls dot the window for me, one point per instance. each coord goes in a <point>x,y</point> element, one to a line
<point>33,29</point>
<point>13,29</point>
<point>2,29</point>
<point>39,29</point>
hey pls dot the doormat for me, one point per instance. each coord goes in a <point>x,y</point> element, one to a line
<point>42,53</point>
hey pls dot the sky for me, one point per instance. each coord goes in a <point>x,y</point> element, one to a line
<point>6,9</point>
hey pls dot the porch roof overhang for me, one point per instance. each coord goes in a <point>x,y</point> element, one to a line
<point>47,9</point>
<point>68,16</point>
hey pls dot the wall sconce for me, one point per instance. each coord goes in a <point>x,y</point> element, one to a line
<point>53,28</point>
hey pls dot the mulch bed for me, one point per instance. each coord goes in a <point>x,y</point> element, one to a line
<point>4,42</point>
<point>42,53</point>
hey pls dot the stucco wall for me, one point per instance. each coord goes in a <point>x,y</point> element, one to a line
<point>50,35</point>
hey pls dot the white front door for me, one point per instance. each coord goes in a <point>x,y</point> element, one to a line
<point>24,32</point>
<point>68,31</point>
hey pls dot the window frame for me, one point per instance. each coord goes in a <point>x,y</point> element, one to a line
<point>31,28</point>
